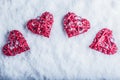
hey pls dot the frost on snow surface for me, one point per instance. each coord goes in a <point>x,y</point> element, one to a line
<point>59,57</point>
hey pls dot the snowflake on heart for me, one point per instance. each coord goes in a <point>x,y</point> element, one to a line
<point>103,42</point>
<point>16,44</point>
<point>41,25</point>
<point>75,25</point>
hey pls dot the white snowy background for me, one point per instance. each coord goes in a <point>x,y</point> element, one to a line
<point>59,57</point>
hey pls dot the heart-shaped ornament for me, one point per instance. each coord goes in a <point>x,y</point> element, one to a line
<point>41,25</point>
<point>75,25</point>
<point>16,44</point>
<point>104,43</point>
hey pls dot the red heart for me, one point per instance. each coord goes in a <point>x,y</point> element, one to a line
<point>41,25</point>
<point>16,44</point>
<point>75,25</point>
<point>103,42</point>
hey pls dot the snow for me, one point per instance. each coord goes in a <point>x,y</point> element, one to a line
<point>59,57</point>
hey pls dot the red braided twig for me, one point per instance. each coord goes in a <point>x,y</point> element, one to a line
<point>75,25</point>
<point>103,42</point>
<point>16,44</point>
<point>41,25</point>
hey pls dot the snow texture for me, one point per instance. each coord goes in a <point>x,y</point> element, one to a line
<point>59,57</point>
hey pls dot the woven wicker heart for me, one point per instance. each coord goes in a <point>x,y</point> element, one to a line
<point>75,25</point>
<point>41,25</point>
<point>103,42</point>
<point>16,44</point>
